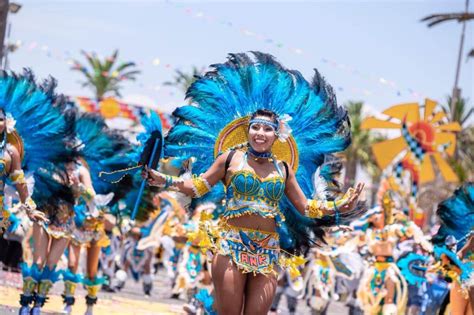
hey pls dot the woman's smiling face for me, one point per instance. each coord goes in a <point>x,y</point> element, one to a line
<point>261,136</point>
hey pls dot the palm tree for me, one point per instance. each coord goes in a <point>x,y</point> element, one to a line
<point>359,152</point>
<point>463,159</point>
<point>372,169</point>
<point>461,112</point>
<point>435,19</point>
<point>466,153</point>
<point>183,80</point>
<point>463,17</point>
<point>105,76</point>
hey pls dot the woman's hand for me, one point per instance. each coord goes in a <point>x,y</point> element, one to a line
<point>37,216</point>
<point>353,196</point>
<point>154,178</point>
<point>341,228</point>
<point>33,214</point>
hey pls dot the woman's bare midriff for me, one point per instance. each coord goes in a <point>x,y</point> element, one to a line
<point>253,221</point>
<point>382,248</point>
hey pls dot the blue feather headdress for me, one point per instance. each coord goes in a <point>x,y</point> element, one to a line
<point>456,216</point>
<point>239,87</point>
<point>102,149</point>
<point>37,127</point>
<point>38,119</point>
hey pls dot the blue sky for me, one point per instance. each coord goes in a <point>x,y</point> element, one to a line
<point>374,51</point>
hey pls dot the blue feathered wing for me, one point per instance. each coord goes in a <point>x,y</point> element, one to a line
<point>42,127</point>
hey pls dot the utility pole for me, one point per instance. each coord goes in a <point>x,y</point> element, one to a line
<point>457,91</point>
<point>4,6</point>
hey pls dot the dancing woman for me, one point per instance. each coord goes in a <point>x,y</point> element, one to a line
<point>383,289</point>
<point>456,261</point>
<point>256,159</point>
<point>36,127</point>
<point>95,148</point>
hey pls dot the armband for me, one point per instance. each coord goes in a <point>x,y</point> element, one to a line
<point>18,177</point>
<point>170,181</point>
<point>30,203</point>
<point>86,193</point>
<point>316,209</point>
<point>313,209</point>
<point>200,186</point>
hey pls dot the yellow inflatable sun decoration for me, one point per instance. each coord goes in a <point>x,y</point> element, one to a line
<point>422,137</point>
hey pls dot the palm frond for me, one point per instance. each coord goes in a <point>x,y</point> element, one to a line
<point>125,65</point>
<point>129,74</point>
<point>109,62</point>
<point>435,19</point>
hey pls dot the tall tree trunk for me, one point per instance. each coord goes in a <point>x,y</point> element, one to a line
<point>351,172</point>
<point>374,189</point>
<point>3,28</point>
<point>456,90</point>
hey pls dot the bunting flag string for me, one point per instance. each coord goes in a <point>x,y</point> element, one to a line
<point>66,56</point>
<point>299,51</point>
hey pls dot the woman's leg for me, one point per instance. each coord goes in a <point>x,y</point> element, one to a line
<point>58,246</point>
<point>40,245</point>
<point>71,281</point>
<point>73,257</point>
<point>229,285</point>
<point>259,292</point>
<point>93,254</point>
<point>458,303</point>
<point>49,275</point>
<point>390,287</point>
<point>147,278</point>
<point>32,276</point>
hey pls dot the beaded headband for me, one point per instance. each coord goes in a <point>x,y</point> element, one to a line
<point>264,122</point>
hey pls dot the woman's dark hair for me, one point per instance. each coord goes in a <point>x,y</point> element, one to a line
<point>265,113</point>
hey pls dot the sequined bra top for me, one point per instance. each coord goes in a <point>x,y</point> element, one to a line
<point>247,193</point>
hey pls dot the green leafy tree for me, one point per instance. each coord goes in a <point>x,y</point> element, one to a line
<point>463,18</point>
<point>359,152</point>
<point>463,160</point>
<point>435,19</point>
<point>461,112</point>
<point>105,76</point>
<point>182,80</point>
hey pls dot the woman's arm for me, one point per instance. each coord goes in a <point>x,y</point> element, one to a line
<point>315,208</point>
<point>18,179</point>
<point>16,174</point>
<point>195,187</point>
<point>85,184</point>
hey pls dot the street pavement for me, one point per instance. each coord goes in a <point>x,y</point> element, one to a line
<point>130,300</point>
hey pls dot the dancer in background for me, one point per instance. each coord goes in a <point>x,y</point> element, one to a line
<point>34,129</point>
<point>96,148</point>
<point>382,288</point>
<point>454,247</point>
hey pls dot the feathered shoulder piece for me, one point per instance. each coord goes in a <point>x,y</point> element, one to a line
<point>35,124</point>
<point>456,215</point>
